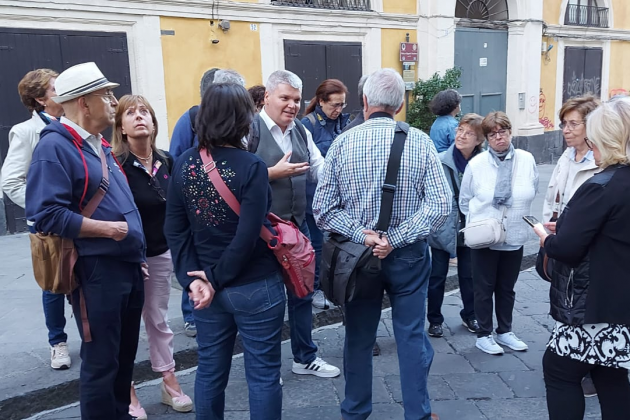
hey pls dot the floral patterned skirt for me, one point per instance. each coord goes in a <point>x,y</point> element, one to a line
<point>596,344</point>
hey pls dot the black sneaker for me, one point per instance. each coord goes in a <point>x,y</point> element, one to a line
<point>472,325</point>
<point>435,330</point>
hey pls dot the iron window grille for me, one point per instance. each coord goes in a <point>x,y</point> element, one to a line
<point>582,15</point>
<point>326,4</point>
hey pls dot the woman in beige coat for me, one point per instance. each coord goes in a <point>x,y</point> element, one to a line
<point>576,164</point>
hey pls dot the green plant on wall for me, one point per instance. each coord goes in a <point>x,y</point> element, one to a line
<point>418,114</point>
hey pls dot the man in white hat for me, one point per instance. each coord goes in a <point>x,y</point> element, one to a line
<point>66,172</point>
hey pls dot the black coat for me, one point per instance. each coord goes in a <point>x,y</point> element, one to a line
<point>595,227</point>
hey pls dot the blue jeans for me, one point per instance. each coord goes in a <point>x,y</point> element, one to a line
<point>437,283</point>
<point>317,240</point>
<point>405,274</point>
<point>256,312</point>
<point>187,310</point>
<point>54,315</point>
<point>301,321</point>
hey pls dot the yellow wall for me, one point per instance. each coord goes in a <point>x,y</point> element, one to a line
<point>547,96</point>
<point>390,52</point>
<point>621,11</point>
<point>407,7</point>
<point>190,53</point>
<point>619,76</point>
<point>551,11</point>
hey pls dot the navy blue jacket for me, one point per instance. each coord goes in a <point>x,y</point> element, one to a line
<point>323,133</point>
<point>183,137</point>
<point>54,186</point>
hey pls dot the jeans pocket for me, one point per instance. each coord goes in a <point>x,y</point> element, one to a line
<point>253,298</point>
<point>411,254</point>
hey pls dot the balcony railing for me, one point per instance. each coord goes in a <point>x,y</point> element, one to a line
<point>579,15</point>
<point>326,4</point>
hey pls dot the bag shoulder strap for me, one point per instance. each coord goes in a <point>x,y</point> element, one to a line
<point>192,114</point>
<point>91,206</point>
<point>311,118</point>
<point>210,168</point>
<point>391,176</point>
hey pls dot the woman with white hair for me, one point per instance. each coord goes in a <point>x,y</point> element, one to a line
<point>589,289</point>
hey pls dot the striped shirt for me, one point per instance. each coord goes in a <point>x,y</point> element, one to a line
<point>348,196</point>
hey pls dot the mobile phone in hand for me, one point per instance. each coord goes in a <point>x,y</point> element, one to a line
<point>531,220</point>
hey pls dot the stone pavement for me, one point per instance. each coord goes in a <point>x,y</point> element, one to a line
<point>28,385</point>
<point>464,384</point>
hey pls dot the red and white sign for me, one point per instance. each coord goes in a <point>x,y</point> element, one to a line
<point>409,51</point>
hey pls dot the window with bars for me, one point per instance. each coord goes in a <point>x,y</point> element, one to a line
<point>482,9</point>
<point>586,13</point>
<point>326,4</point>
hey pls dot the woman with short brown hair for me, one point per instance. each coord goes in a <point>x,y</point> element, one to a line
<point>501,184</point>
<point>36,89</point>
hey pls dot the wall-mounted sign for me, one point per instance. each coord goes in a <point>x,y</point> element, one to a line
<point>409,52</point>
<point>483,62</point>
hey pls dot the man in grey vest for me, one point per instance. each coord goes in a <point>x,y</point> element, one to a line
<point>291,156</point>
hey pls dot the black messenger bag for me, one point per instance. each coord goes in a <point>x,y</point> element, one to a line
<point>349,270</point>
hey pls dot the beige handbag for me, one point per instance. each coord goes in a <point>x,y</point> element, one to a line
<point>487,232</point>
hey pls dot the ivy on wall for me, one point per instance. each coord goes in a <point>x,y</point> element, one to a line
<point>419,115</point>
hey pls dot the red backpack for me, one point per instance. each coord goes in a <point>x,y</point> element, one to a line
<point>290,246</point>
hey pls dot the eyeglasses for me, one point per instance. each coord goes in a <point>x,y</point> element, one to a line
<point>589,143</point>
<point>339,105</point>
<point>500,133</point>
<point>107,96</point>
<point>466,134</point>
<point>571,125</point>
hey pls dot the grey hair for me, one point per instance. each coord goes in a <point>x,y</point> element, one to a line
<point>286,77</point>
<point>362,81</point>
<point>385,89</point>
<point>206,80</point>
<point>229,76</point>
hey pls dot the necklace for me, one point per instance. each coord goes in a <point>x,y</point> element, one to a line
<point>146,159</point>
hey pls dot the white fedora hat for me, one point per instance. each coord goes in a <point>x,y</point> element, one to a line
<point>80,80</point>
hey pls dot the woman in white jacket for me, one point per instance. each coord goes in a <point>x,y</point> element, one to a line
<point>576,164</point>
<point>36,89</point>
<point>499,183</point>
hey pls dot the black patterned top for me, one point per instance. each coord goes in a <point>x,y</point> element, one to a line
<point>596,344</point>
<point>202,231</point>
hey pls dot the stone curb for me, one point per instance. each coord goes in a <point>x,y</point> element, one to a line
<point>34,402</point>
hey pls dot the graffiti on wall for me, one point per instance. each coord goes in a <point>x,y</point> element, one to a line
<point>542,116</point>
<point>618,92</point>
<point>578,86</point>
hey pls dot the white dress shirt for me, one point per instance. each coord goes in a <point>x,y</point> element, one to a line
<point>91,139</point>
<point>284,142</point>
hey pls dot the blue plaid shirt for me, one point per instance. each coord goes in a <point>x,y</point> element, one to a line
<point>348,196</point>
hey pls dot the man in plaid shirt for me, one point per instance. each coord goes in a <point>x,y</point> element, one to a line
<point>347,202</point>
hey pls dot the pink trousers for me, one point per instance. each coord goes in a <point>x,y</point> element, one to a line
<point>157,291</point>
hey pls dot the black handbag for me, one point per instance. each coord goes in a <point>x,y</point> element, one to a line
<point>349,270</point>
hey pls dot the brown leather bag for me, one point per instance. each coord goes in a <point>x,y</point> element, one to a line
<point>54,257</point>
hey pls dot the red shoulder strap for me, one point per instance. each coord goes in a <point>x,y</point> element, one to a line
<point>209,167</point>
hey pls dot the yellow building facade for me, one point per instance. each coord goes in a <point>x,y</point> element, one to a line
<point>585,49</point>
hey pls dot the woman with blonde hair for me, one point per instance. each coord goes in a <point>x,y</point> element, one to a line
<point>576,164</point>
<point>589,292</point>
<point>148,171</point>
<point>447,240</point>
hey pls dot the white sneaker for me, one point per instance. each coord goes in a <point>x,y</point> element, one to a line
<point>488,345</point>
<point>512,341</point>
<point>317,367</point>
<point>320,301</point>
<point>59,356</point>
<point>281,382</point>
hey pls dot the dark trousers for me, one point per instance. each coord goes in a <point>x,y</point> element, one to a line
<point>114,295</point>
<point>495,273</point>
<point>317,240</point>
<point>437,283</point>
<point>565,399</point>
<point>54,305</point>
